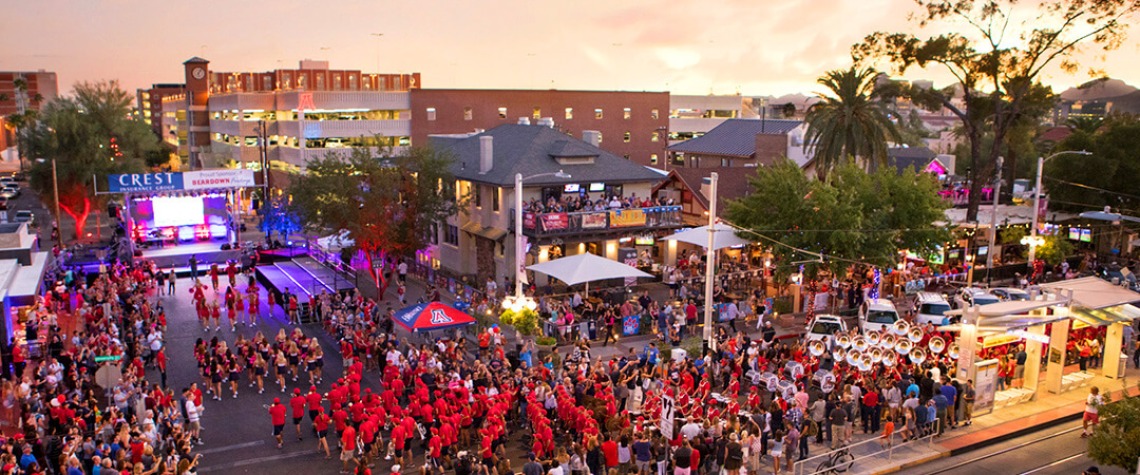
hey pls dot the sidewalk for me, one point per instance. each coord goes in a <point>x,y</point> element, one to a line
<point>1004,423</point>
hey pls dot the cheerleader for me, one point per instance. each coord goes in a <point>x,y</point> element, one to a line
<point>231,315</point>
<point>314,362</point>
<point>282,365</point>
<point>214,276</point>
<point>239,307</point>
<point>203,315</point>
<point>254,304</point>
<point>294,354</point>
<point>216,315</point>
<point>259,369</point>
<point>235,374</point>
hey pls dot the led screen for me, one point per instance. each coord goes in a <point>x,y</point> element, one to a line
<point>178,211</point>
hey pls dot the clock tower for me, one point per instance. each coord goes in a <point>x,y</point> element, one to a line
<point>197,116</point>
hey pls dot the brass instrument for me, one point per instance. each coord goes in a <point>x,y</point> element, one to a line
<point>936,345</point>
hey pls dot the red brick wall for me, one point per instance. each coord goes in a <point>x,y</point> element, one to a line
<point>450,104</point>
<point>770,147</point>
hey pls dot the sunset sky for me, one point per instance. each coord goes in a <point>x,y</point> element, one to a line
<point>756,47</point>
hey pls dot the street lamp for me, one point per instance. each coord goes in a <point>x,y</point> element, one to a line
<point>518,301</point>
<point>1037,202</point>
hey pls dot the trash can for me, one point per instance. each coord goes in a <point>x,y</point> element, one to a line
<point>1123,365</point>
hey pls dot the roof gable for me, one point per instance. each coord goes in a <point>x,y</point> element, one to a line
<point>735,137</point>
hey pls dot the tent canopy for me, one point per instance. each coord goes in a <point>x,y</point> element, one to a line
<point>723,236</point>
<point>586,267</point>
<point>1092,292</point>
<point>431,316</point>
<point>1010,307</point>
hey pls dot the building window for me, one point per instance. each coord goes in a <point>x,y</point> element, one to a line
<point>655,137</point>
<point>451,235</point>
<point>626,113</point>
<point>653,158</point>
<point>434,233</point>
<point>725,162</point>
<point>478,192</point>
<point>627,137</point>
<point>569,113</point>
<point>431,113</point>
<point>467,115</point>
<point>502,112</point>
<point>352,82</point>
<point>626,156</point>
<point>537,112</point>
<point>654,114</point>
<point>597,113</point>
<point>496,195</point>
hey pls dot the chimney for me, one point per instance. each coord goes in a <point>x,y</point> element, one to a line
<point>486,154</point>
<point>592,137</point>
<point>524,121</point>
<point>546,122</point>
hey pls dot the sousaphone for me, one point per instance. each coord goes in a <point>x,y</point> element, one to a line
<point>874,338</point>
<point>904,346</point>
<point>914,334</point>
<point>952,352</point>
<point>890,358</point>
<point>936,345</point>
<point>816,348</point>
<point>843,341</point>
<point>876,355</point>
<point>900,327</point>
<point>917,355</point>
<point>861,344</point>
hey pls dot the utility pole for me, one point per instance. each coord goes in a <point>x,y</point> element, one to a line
<point>993,224</point>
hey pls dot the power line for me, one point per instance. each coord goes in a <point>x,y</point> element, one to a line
<point>1090,187</point>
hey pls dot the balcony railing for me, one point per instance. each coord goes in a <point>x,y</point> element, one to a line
<point>553,224</point>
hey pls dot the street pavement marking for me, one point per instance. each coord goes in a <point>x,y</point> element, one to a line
<point>242,463</point>
<point>214,450</point>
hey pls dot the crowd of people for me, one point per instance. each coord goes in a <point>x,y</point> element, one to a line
<point>575,202</point>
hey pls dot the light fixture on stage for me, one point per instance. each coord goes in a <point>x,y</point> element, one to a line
<point>218,231</point>
<point>186,233</point>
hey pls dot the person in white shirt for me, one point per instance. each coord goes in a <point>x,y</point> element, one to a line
<point>690,429</point>
<point>1092,410</point>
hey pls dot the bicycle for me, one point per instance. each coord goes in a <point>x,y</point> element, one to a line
<point>839,462</point>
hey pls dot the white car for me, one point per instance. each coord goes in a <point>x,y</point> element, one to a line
<point>877,315</point>
<point>931,307</point>
<point>825,326</point>
<point>1010,293</point>
<point>973,296</point>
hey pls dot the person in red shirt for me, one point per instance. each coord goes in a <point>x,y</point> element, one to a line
<point>277,416</point>
<point>348,448</point>
<point>313,400</point>
<point>399,440</point>
<point>298,404</point>
<point>610,450</point>
<point>321,424</point>
<point>435,450</point>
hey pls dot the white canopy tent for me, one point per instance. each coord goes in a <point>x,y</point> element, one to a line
<point>723,236</point>
<point>585,268</point>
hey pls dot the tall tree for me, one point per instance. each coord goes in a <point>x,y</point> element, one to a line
<point>849,121</point>
<point>1116,441</point>
<point>998,60</point>
<point>854,216</point>
<point>89,134</point>
<point>1107,177</point>
<point>387,204</point>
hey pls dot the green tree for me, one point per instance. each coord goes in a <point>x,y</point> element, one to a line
<point>1054,250</point>
<point>849,122</point>
<point>89,134</point>
<point>997,59</point>
<point>1116,441</point>
<point>1075,183</point>
<point>387,204</point>
<point>855,216</point>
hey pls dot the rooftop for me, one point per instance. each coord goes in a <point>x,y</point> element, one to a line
<point>735,137</point>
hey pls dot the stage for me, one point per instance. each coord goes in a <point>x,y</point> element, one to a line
<point>178,256</point>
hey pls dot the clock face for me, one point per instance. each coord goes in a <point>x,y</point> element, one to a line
<point>199,73</point>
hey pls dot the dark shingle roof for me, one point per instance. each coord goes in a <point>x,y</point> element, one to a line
<point>734,137</point>
<point>531,150</point>
<point>731,183</point>
<point>903,157</point>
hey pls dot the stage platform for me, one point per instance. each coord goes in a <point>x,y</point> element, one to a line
<point>303,276</point>
<point>178,256</point>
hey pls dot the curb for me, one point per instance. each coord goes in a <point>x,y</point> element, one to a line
<point>1015,434</point>
<point>912,464</point>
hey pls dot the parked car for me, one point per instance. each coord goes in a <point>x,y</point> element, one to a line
<point>877,315</point>
<point>825,326</point>
<point>970,296</point>
<point>9,192</point>
<point>1009,293</point>
<point>931,307</point>
<point>25,216</point>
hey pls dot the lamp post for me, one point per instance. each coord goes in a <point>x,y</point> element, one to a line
<point>1037,202</point>
<point>993,223</point>
<point>710,265</point>
<point>518,301</point>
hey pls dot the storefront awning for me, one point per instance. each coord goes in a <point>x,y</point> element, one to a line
<point>1092,292</point>
<point>477,229</point>
<point>28,280</point>
<point>1012,307</point>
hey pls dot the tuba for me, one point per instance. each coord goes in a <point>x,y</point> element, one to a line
<point>861,344</point>
<point>953,351</point>
<point>843,341</point>
<point>816,348</point>
<point>917,356</point>
<point>936,345</point>
<point>890,358</point>
<point>876,355</point>
<point>874,338</point>
<point>888,341</point>
<point>900,327</point>
<point>903,346</point>
<point>838,354</point>
<point>915,334</point>
<point>853,357</point>
<point>865,363</point>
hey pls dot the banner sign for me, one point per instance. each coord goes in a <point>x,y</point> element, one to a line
<point>627,218</point>
<point>528,220</point>
<point>555,221</point>
<point>180,181</point>
<point>630,325</point>
<point>594,221</point>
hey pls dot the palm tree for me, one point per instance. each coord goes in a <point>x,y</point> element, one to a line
<point>1086,124</point>
<point>850,122</point>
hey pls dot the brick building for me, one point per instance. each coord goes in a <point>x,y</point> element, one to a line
<point>22,91</point>
<point>633,125</point>
<point>149,104</point>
